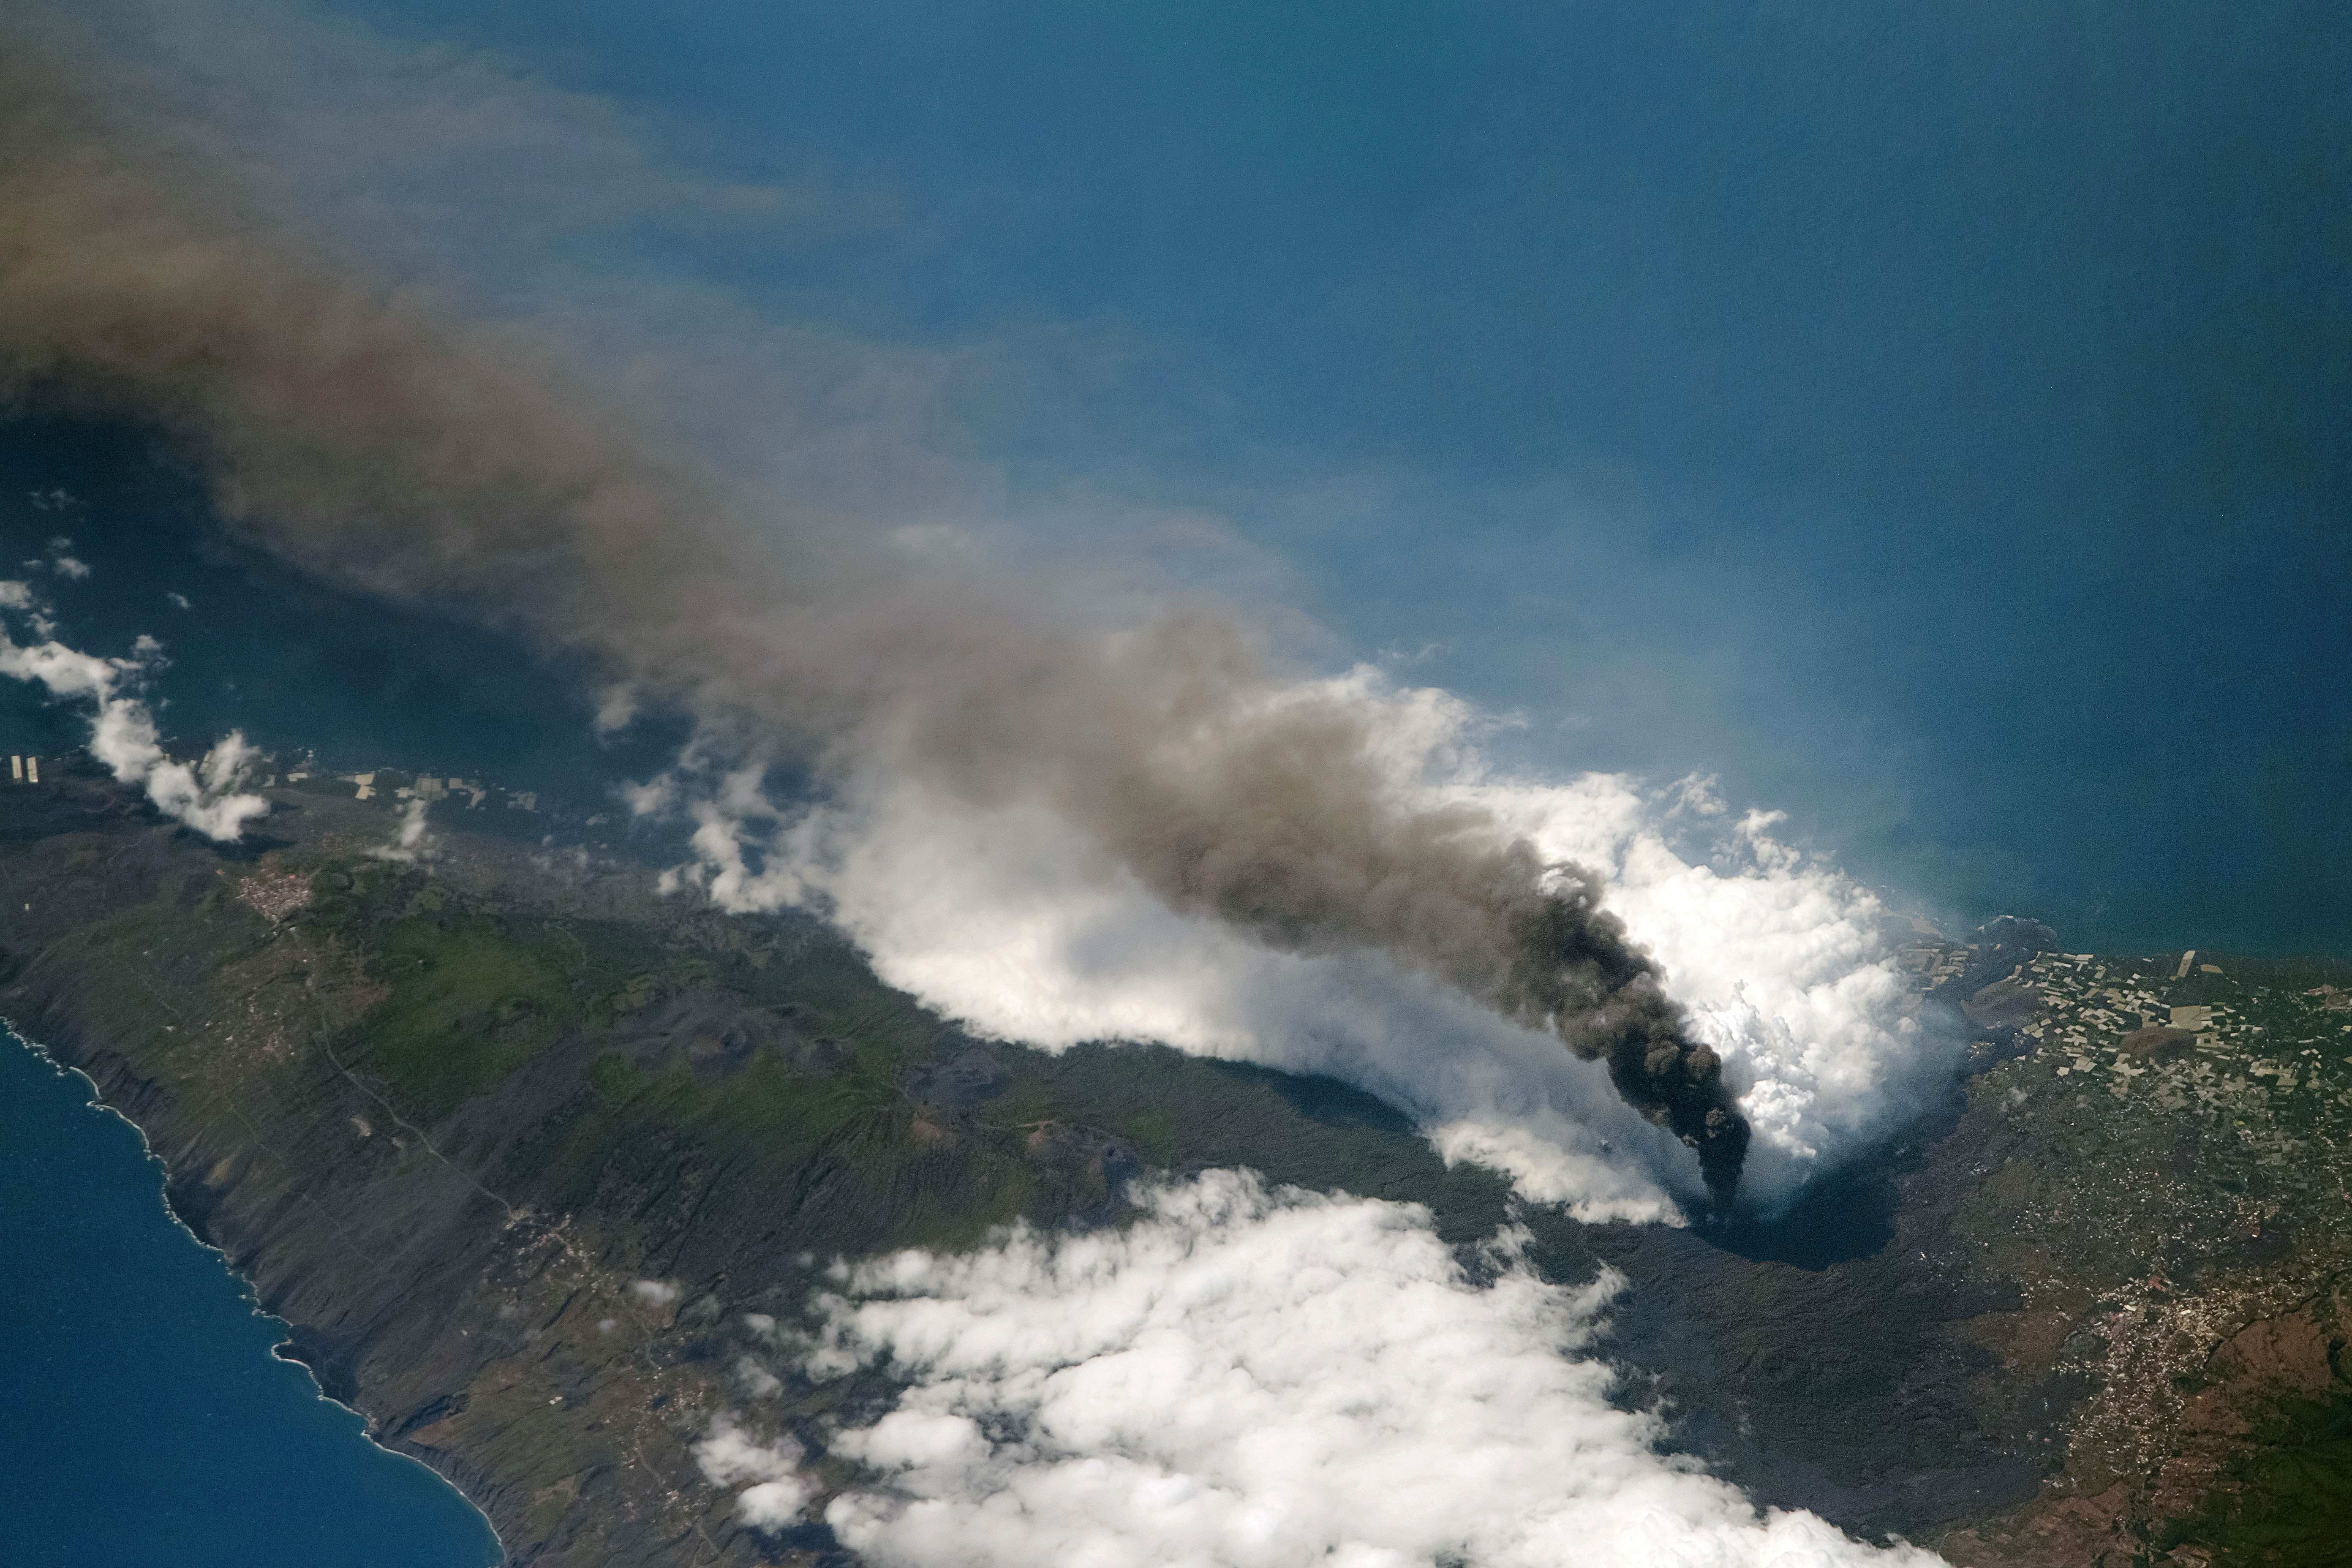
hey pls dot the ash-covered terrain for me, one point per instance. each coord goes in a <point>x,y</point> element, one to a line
<point>545,1169</point>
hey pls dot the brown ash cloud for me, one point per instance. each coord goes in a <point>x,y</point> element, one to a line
<point>368,440</point>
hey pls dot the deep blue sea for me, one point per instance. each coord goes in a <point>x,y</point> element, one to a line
<point>146,1420</point>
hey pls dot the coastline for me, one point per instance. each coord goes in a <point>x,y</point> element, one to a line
<point>93,1098</point>
<point>718,1101</point>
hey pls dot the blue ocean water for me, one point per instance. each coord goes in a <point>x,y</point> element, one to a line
<point>146,1419</point>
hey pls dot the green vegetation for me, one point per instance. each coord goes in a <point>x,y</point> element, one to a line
<point>768,1109</point>
<point>345,893</point>
<point>724,1103</point>
<point>653,1091</point>
<point>2289,1498</point>
<point>1153,1134</point>
<point>143,971</point>
<point>825,982</point>
<point>774,1127</point>
<point>469,1001</point>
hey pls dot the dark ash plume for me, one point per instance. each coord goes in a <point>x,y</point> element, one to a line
<point>381,449</point>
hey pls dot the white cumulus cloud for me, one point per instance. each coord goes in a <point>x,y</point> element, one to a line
<point>208,794</point>
<point>64,564</point>
<point>758,1381</point>
<point>731,1456</point>
<point>1246,1379</point>
<point>655,1292</point>
<point>410,842</point>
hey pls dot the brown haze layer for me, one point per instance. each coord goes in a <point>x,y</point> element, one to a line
<point>348,431</point>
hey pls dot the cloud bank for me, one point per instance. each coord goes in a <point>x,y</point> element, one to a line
<point>1246,1379</point>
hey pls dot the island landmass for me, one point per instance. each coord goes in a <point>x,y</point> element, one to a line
<point>534,1160</point>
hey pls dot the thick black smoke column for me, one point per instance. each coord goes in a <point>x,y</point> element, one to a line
<point>1602,997</point>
